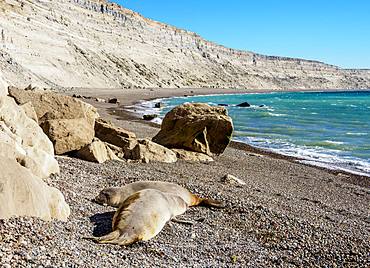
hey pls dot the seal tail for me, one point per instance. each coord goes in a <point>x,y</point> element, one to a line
<point>206,202</point>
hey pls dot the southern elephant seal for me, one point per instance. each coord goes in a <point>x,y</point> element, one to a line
<point>142,216</point>
<point>114,196</point>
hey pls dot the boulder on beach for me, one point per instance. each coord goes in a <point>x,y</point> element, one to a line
<point>196,127</point>
<point>243,104</point>
<point>228,178</point>
<point>68,122</point>
<point>23,140</point>
<point>97,151</point>
<point>112,134</point>
<point>24,194</point>
<point>68,135</point>
<point>192,156</point>
<point>26,157</point>
<point>147,151</point>
<point>114,100</point>
<point>149,117</point>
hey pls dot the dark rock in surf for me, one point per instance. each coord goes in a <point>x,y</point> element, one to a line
<point>113,100</point>
<point>158,105</point>
<point>244,104</point>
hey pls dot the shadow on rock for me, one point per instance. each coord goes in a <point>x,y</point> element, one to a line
<point>102,222</point>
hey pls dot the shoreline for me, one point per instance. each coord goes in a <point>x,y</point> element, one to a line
<point>283,214</point>
<point>129,99</point>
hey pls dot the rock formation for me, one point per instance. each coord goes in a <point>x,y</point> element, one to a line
<point>107,132</point>
<point>192,156</point>
<point>68,122</point>
<point>97,151</point>
<point>148,151</point>
<point>84,46</point>
<point>30,111</point>
<point>24,140</point>
<point>24,194</point>
<point>26,157</point>
<point>196,127</point>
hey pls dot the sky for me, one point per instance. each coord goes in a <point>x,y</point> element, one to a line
<point>333,31</point>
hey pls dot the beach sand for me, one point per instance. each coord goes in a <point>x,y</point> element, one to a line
<point>287,214</point>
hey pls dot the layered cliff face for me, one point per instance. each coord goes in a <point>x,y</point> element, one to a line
<point>79,43</point>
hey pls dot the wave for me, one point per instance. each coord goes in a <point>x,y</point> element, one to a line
<point>286,135</point>
<point>357,133</point>
<point>322,157</point>
<point>272,114</point>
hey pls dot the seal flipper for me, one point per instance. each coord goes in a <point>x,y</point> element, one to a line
<point>110,238</point>
<point>206,202</point>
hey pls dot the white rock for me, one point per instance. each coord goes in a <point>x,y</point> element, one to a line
<point>232,179</point>
<point>3,86</point>
<point>24,140</point>
<point>24,194</point>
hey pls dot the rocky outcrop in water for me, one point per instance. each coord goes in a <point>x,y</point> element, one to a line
<point>99,44</point>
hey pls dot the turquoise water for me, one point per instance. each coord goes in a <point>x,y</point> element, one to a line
<point>330,129</point>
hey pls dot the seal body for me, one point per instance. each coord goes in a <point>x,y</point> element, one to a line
<point>142,216</point>
<point>114,196</point>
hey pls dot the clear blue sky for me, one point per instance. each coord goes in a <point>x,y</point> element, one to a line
<point>332,31</point>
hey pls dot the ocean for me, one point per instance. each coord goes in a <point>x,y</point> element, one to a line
<point>327,129</point>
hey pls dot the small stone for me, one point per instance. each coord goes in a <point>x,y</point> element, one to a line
<point>232,179</point>
<point>114,100</point>
<point>149,117</point>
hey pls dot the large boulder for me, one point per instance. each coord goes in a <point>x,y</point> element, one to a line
<point>97,151</point>
<point>23,140</point>
<point>50,105</point>
<point>24,194</point>
<point>68,122</point>
<point>68,134</point>
<point>148,151</point>
<point>196,127</point>
<point>109,133</point>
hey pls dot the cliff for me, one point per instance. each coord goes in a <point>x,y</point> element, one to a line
<point>77,43</point>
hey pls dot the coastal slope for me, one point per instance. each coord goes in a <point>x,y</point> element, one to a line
<point>92,44</point>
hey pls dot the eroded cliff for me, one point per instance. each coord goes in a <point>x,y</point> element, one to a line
<point>78,43</point>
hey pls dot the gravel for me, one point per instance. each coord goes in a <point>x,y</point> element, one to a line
<point>258,228</point>
<point>286,215</point>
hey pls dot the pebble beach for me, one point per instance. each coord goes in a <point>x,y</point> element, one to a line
<point>287,214</point>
